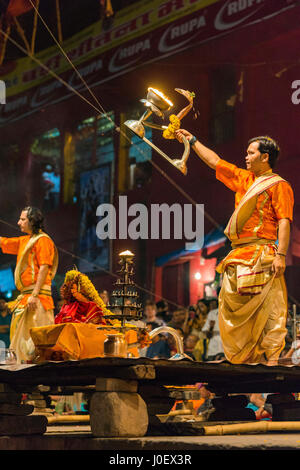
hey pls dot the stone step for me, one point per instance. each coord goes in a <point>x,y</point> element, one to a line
<point>20,425</point>
<point>12,397</point>
<point>116,385</point>
<point>16,410</point>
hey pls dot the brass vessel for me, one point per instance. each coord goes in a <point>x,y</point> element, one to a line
<point>115,345</point>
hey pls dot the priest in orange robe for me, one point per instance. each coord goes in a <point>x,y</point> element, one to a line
<point>36,266</point>
<point>253,297</point>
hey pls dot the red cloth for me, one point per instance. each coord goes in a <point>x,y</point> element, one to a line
<point>80,312</point>
<point>18,7</point>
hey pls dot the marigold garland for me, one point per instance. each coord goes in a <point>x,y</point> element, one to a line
<point>175,120</point>
<point>78,286</point>
<point>174,125</point>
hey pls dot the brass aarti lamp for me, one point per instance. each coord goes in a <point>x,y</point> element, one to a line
<point>158,103</point>
<point>126,308</point>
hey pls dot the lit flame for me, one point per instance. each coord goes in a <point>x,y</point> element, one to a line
<point>126,253</point>
<point>160,93</point>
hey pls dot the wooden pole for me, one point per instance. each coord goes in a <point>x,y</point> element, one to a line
<point>3,46</point>
<point>248,428</point>
<point>58,17</point>
<point>35,20</point>
<point>68,419</point>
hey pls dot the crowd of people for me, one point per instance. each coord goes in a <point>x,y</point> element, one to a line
<point>197,326</point>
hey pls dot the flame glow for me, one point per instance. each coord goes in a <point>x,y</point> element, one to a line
<point>161,95</point>
<point>126,253</point>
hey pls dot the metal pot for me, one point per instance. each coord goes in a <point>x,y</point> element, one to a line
<point>7,356</point>
<point>115,345</point>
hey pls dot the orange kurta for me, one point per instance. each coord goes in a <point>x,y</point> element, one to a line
<point>272,205</point>
<point>41,253</point>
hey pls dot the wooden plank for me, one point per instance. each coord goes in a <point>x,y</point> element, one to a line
<point>15,410</point>
<point>160,391</point>
<point>19,425</point>
<point>13,398</point>
<point>222,377</point>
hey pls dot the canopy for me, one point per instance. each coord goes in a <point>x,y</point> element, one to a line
<point>212,238</point>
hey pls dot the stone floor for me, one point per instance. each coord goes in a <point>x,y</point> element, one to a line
<point>80,438</point>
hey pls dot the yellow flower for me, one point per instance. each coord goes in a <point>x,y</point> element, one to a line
<point>174,125</point>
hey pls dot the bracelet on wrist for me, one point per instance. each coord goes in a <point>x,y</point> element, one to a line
<point>192,140</point>
<point>281,254</point>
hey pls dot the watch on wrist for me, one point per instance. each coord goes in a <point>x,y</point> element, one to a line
<point>34,295</point>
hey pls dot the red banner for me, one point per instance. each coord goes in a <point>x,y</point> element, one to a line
<point>206,24</point>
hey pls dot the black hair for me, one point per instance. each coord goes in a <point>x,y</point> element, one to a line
<point>153,324</point>
<point>204,301</point>
<point>267,145</point>
<point>214,299</point>
<point>162,304</point>
<point>36,219</point>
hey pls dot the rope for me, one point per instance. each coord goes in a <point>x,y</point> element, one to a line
<point>61,80</point>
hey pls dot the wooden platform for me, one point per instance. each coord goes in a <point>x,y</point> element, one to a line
<point>126,396</point>
<point>221,377</point>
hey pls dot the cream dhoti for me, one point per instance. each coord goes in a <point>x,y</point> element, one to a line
<point>253,311</point>
<point>23,320</point>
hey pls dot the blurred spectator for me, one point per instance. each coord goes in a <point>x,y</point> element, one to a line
<point>5,320</point>
<point>159,348</point>
<point>189,345</point>
<point>257,402</point>
<point>172,342</point>
<point>200,349</point>
<point>207,406</point>
<point>215,349</point>
<point>193,328</point>
<point>150,314</point>
<point>198,317</point>
<point>289,326</point>
<point>212,304</point>
<point>104,296</point>
<point>293,353</point>
<point>51,179</point>
<point>163,311</point>
<point>180,320</point>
